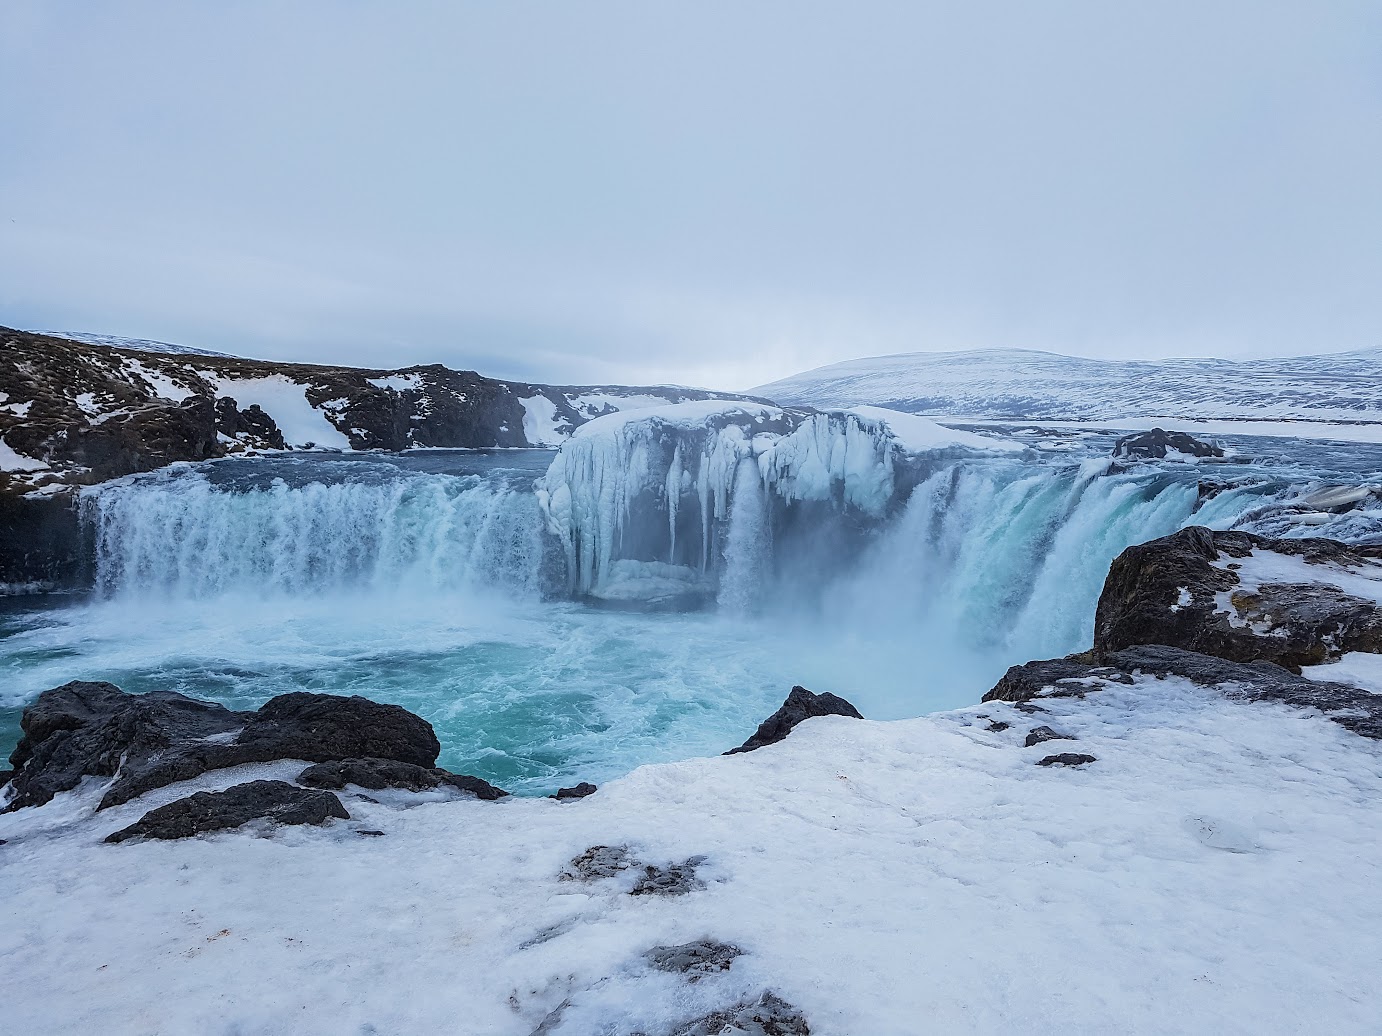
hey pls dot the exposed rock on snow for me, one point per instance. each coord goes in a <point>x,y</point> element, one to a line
<point>152,740</point>
<point>800,705</point>
<point>1083,674</point>
<point>676,879</point>
<point>1067,759</point>
<point>1159,444</point>
<point>695,960</point>
<point>1244,597</point>
<point>1040,735</point>
<point>599,862</point>
<point>768,1015</point>
<point>275,801</point>
<point>378,774</point>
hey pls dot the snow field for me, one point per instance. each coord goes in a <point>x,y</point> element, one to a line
<point>1215,870</point>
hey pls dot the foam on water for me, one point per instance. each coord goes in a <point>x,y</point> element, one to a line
<point>434,582</point>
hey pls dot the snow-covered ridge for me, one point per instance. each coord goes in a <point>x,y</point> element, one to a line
<point>1025,385</point>
<point>85,411</point>
<point>146,345</point>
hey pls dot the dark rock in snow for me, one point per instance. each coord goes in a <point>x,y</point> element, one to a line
<point>1155,444</point>
<point>769,1015</point>
<point>801,704</point>
<point>1071,677</point>
<point>95,729</point>
<point>1354,709</point>
<point>148,741</point>
<point>1038,735</point>
<point>275,801</point>
<point>1067,759</point>
<point>598,862</point>
<point>676,879</point>
<point>694,959</point>
<point>998,727</point>
<point>1164,592</point>
<point>377,774</point>
<point>252,426</point>
<point>580,791</point>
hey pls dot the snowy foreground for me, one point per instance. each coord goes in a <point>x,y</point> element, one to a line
<point>1215,870</point>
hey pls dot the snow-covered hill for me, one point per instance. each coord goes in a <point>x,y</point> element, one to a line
<point>143,345</point>
<point>1026,385</point>
<point>74,412</point>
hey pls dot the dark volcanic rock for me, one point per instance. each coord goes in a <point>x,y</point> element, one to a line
<point>147,741</point>
<point>1164,592</point>
<point>694,959</point>
<point>251,425</point>
<point>1353,709</point>
<point>377,774</point>
<point>675,880</point>
<point>598,862</point>
<point>1070,677</point>
<point>580,791</point>
<point>769,1015</point>
<point>1040,735</point>
<point>96,729</point>
<point>1155,444</point>
<point>801,704</point>
<point>41,541</point>
<point>1067,759</point>
<point>276,801</point>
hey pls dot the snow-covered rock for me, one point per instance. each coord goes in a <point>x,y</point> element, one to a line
<point>1245,598</point>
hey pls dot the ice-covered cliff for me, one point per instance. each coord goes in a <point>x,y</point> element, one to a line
<point>678,503</point>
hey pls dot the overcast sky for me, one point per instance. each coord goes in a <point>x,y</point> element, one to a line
<point>701,192</point>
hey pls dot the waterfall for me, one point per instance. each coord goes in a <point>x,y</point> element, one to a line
<point>184,535</point>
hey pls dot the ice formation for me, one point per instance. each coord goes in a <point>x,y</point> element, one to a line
<point>692,494</point>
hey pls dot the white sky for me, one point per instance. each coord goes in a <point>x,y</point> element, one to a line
<point>706,193</point>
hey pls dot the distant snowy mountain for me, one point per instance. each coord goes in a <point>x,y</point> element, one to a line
<point>1026,385</point>
<point>143,345</point>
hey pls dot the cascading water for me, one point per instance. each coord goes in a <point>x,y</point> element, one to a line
<point>187,536</point>
<point>810,549</point>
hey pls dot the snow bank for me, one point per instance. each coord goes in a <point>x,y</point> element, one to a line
<point>10,460</point>
<point>1215,870</point>
<point>286,402</point>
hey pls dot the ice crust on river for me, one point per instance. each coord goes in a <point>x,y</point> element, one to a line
<point>1215,870</point>
<point>669,489</point>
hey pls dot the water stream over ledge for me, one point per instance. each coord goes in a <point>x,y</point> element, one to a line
<point>430,579</point>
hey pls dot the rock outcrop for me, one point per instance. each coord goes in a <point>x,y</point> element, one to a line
<point>1158,443</point>
<point>152,740</point>
<point>1184,591</point>
<point>801,704</point>
<point>275,801</point>
<point>378,774</point>
<point>1076,676</point>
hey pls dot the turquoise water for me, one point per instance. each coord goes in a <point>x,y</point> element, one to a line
<point>428,580</point>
